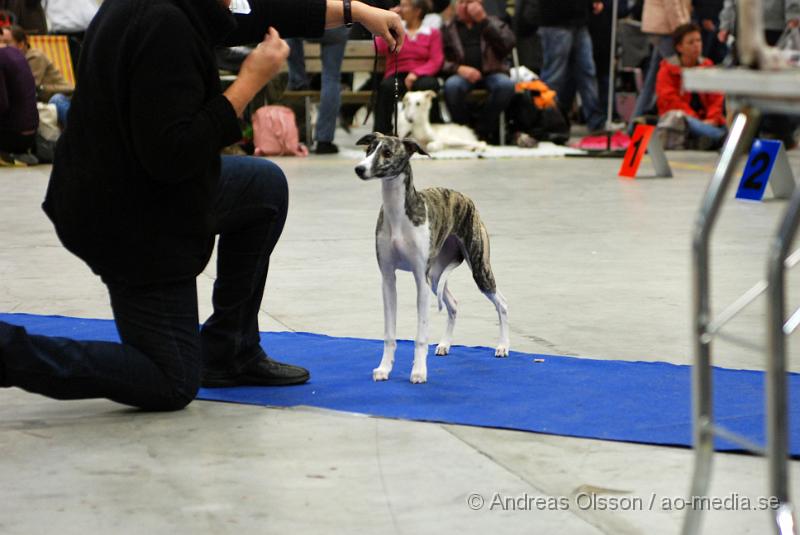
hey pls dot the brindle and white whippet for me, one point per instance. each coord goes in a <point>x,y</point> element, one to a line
<point>428,233</point>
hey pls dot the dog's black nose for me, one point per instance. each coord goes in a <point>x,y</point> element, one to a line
<point>360,170</point>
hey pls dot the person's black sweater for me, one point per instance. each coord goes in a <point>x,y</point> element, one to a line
<point>135,172</point>
<point>564,12</point>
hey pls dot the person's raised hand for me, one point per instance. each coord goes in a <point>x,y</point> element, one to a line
<point>386,24</point>
<point>597,7</point>
<point>476,12</point>
<point>260,66</point>
<point>722,36</point>
<point>265,61</point>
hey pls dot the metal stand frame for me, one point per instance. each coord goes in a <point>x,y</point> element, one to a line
<point>707,328</point>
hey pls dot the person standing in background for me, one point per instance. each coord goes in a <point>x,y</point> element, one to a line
<point>568,57</point>
<point>706,14</point>
<point>71,18</point>
<point>660,18</point>
<point>333,43</point>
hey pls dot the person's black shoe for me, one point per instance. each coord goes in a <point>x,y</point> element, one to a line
<point>262,372</point>
<point>326,147</point>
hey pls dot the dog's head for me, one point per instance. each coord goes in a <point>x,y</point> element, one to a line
<point>417,105</point>
<point>387,156</point>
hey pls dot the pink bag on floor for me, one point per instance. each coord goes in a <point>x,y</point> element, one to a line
<point>275,132</point>
<point>619,141</point>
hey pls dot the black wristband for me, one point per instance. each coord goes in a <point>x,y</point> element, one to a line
<point>348,13</point>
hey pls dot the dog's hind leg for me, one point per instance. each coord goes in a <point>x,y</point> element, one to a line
<point>477,254</point>
<point>381,373</point>
<point>500,304</point>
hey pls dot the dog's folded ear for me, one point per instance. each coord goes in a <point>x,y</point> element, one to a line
<point>366,140</point>
<point>412,146</point>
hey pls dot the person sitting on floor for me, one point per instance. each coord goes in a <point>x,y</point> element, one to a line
<point>476,51</point>
<point>51,86</point>
<point>703,112</point>
<point>417,63</point>
<point>18,116</point>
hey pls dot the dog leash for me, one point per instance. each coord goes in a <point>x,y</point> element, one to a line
<point>376,81</point>
<point>395,104</point>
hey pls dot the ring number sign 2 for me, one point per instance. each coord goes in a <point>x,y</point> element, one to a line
<point>767,163</point>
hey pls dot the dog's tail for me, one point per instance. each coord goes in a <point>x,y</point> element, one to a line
<point>442,286</point>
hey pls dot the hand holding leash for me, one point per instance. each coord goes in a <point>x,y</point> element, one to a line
<point>386,24</point>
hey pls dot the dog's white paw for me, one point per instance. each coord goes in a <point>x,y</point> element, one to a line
<point>443,349</point>
<point>501,351</point>
<point>379,374</point>
<point>419,377</point>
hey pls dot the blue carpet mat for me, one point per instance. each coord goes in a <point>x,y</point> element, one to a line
<point>643,402</point>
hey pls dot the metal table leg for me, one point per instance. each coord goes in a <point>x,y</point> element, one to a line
<point>739,139</point>
<point>777,400</point>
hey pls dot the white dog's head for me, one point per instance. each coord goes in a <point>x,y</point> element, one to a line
<point>417,105</point>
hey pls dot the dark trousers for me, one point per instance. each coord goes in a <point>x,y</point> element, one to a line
<point>384,103</point>
<point>15,142</point>
<point>159,364</point>
<point>501,90</point>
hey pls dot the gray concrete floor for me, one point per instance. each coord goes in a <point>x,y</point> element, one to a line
<point>591,265</point>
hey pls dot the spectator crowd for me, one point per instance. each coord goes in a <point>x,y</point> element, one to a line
<point>452,48</point>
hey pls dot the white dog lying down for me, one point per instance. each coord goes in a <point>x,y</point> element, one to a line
<point>414,122</point>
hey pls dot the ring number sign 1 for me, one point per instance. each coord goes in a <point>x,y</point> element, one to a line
<point>643,141</point>
<point>767,163</point>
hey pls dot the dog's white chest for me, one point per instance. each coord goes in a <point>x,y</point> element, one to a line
<point>401,243</point>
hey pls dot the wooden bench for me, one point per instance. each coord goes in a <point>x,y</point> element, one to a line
<point>359,57</point>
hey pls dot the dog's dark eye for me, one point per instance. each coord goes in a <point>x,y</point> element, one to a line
<point>387,153</point>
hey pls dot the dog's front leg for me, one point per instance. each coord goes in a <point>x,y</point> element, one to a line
<point>419,371</point>
<point>381,373</point>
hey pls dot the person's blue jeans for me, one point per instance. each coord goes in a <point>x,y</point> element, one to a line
<point>698,128</point>
<point>62,104</point>
<point>159,364</point>
<point>567,55</point>
<point>333,44</point>
<point>662,49</point>
<point>500,88</point>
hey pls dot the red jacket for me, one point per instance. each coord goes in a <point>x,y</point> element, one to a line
<point>671,95</point>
